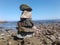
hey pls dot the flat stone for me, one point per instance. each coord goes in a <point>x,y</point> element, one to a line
<point>24,36</point>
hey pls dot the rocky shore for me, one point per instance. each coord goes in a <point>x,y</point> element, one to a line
<point>48,34</point>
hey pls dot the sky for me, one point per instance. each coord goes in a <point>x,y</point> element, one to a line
<point>42,9</point>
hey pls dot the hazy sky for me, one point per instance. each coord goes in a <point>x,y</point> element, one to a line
<point>42,9</point>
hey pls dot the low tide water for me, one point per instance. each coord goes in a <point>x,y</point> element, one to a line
<point>10,25</point>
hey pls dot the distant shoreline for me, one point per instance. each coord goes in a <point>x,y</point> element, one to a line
<point>3,21</point>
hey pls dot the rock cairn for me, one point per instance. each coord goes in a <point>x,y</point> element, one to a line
<point>25,24</point>
<point>28,34</point>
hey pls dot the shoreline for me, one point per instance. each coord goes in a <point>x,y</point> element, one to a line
<point>49,33</point>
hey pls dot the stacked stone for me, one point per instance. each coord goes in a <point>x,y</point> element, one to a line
<point>25,24</point>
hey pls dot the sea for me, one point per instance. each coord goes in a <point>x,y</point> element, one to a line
<point>13,24</point>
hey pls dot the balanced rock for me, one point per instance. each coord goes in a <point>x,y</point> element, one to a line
<point>25,7</point>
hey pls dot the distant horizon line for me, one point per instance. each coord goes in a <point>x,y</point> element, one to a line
<point>32,20</point>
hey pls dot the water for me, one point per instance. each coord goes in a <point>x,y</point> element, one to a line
<point>13,25</point>
<point>8,25</point>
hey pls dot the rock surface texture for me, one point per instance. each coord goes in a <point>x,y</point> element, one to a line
<point>48,35</point>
